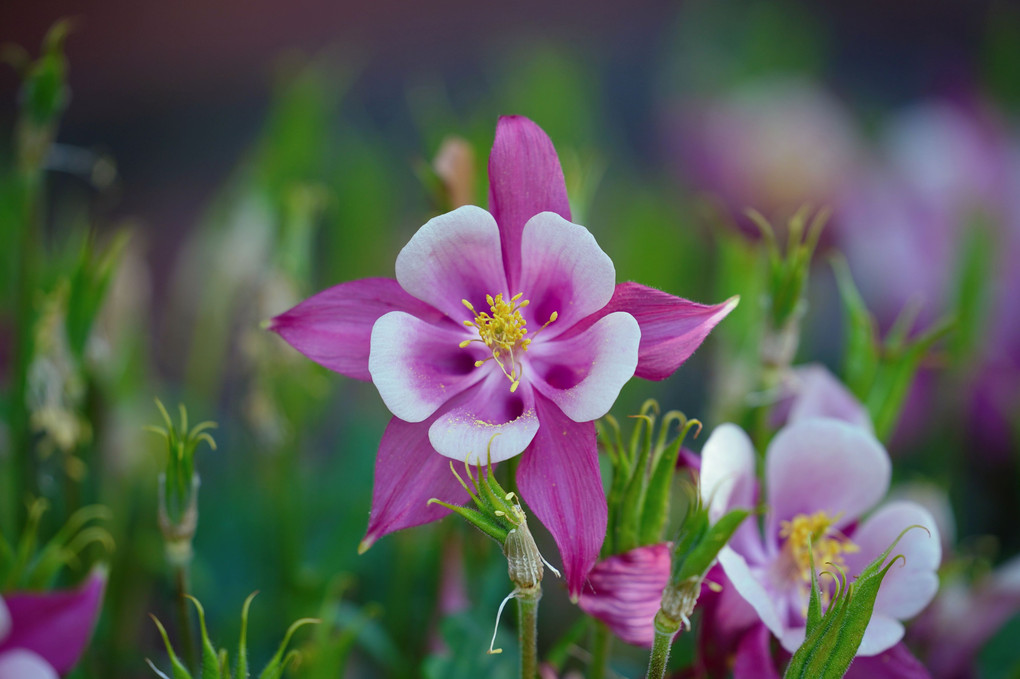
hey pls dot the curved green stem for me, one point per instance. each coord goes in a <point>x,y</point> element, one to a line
<point>527,629</point>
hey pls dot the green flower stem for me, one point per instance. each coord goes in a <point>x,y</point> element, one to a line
<point>184,612</point>
<point>527,629</point>
<point>665,631</point>
<point>602,640</point>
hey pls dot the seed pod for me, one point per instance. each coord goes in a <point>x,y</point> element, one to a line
<point>524,562</point>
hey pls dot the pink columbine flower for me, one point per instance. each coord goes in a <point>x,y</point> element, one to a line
<point>821,476</point>
<point>43,635</point>
<point>506,323</point>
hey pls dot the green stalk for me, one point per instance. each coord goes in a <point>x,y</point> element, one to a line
<point>184,612</point>
<point>665,631</point>
<point>602,640</point>
<point>527,629</point>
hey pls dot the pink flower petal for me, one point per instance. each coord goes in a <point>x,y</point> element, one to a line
<point>584,374</point>
<point>729,481</point>
<point>525,178</point>
<point>625,592</point>
<point>882,634</point>
<point>563,270</point>
<point>754,655</point>
<point>55,625</point>
<point>894,663</point>
<point>333,328</point>
<point>417,366</point>
<point>22,664</point>
<point>559,480</point>
<point>455,256</point>
<point>752,590</point>
<point>408,473</point>
<point>671,327</point>
<point>487,418</point>
<point>911,584</point>
<point>817,393</point>
<point>824,464</point>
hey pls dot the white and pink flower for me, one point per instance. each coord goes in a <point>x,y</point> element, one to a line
<point>504,327</point>
<point>821,477</point>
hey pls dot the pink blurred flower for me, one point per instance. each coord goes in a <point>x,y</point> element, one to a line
<point>963,617</point>
<point>43,635</point>
<point>821,475</point>
<point>506,323</point>
<point>811,390</point>
<point>773,146</point>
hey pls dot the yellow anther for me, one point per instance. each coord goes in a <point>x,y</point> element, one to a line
<point>502,330</point>
<point>827,544</point>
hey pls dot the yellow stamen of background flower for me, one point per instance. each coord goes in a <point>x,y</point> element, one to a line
<point>502,330</point>
<point>806,534</point>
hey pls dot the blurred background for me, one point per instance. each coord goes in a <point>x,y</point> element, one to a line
<point>231,158</point>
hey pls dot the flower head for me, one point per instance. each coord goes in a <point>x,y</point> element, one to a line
<point>821,475</point>
<point>505,322</point>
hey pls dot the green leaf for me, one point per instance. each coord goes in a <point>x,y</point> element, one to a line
<point>178,669</point>
<point>276,665</point>
<point>210,663</point>
<point>242,646</point>
<point>698,559</point>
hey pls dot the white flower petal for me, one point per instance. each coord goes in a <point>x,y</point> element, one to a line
<point>453,257</point>
<point>584,374</point>
<point>563,269</point>
<point>418,366</point>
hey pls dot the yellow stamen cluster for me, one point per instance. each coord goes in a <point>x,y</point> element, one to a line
<point>827,544</point>
<point>502,330</point>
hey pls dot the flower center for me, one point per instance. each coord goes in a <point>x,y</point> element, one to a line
<point>827,544</point>
<point>502,330</point>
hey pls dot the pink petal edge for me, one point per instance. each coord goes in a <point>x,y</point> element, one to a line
<point>334,327</point>
<point>672,328</point>
<point>408,473</point>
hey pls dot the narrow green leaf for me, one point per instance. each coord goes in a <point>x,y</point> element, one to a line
<point>178,669</point>
<point>700,558</point>
<point>274,668</point>
<point>210,663</point>
<point>477,519</point>
<point>242,646</point>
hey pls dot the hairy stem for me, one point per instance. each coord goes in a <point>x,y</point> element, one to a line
<point>665,631</point>
<point>527,629</point>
